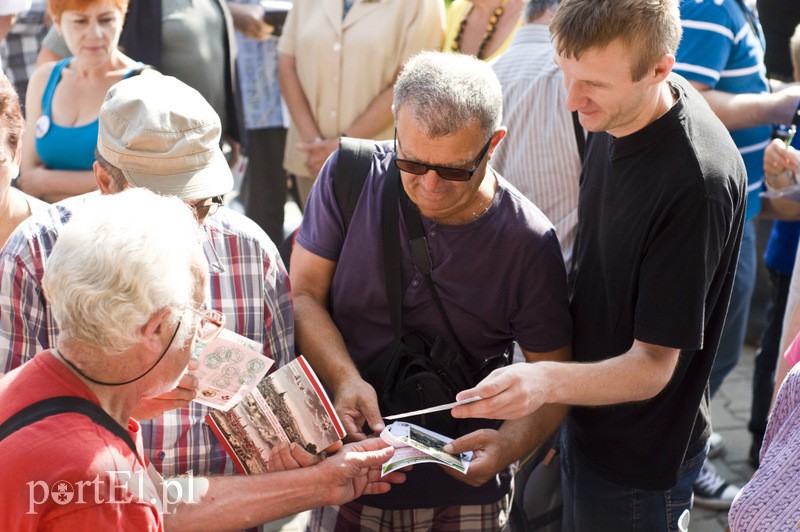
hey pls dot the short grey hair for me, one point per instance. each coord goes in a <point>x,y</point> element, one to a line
<point>446,93</point>
<point>535,8</point>
<point>119,260</point>
<point>120,183</point>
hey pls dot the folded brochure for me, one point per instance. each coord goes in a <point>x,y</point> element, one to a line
<point>228,369</point>
<point>288,405</point>
<point>415,445</point>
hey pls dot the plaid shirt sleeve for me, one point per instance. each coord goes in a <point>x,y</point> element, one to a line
<point>26,327</point>
<point>278,312</point>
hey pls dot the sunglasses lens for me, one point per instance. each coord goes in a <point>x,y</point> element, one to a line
<point>453,174</point>
<point>410,167</point>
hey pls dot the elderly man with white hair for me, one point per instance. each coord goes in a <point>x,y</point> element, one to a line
<point>157,133</point>
<point>128,294</point>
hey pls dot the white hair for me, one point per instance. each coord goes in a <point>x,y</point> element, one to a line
<point>446,93</point>
<point>119,260</point>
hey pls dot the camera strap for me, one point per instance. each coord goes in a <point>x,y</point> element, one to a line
<point>393,192</point>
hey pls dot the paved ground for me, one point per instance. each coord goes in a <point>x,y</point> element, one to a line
<point>730,412</point>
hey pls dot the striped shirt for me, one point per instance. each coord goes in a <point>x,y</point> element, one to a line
<point>539,156</point>
<point>247,282</point>
<point>723,47</point>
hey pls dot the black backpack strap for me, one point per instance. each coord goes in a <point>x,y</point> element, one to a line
<point>422,257</point>
<point>352,166</point>
<point>63,405</point>
<point>580,136</point>
<point>391,247</point>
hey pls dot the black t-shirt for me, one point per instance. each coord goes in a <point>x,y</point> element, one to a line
<point>661,213</point>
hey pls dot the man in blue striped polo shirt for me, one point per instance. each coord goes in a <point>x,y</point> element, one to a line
<point>722,55</point>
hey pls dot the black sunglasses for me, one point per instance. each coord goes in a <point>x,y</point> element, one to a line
<point>445,172</point>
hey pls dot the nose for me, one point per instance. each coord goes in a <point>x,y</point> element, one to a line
<point>95,29</point>
<point>430,180</point>
<point>574,98</point>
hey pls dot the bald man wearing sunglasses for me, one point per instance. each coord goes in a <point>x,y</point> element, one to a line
<point>496,267</point>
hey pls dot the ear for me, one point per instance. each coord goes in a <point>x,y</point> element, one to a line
<point>663,68</point>
<point>496,138</point>
<point>153,332</point>
<point>104,181</point>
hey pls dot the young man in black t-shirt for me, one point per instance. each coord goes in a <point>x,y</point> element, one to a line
<point>661,213</point>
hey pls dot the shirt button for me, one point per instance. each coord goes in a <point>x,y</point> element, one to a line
<point>433,234</point>
<point>415,283</point>
<point>161,455</point>
<point>333,114</point>
<point>337,46</point>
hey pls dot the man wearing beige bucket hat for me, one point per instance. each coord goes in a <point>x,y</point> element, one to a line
<point>157,133</point>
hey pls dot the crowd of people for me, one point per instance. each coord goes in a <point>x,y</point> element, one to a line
<point>558,197</point>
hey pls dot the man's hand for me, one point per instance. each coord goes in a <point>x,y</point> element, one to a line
<point>317,152</point>
<point>507,393</point>
<point>249,20</point>
<point>356,470</point>
<point>357,404</point>
<point>290,456</point>
<point>180,396</point>
<point>486,446</point>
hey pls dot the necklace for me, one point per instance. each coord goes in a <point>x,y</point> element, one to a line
<point>493,19</point>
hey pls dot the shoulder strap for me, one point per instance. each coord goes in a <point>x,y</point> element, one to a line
<point>580,136</point>
<point>391,246</point>
<point>352,166</point>
<point>422,257</point>
<point>62,405</point>
<point>52,81</point>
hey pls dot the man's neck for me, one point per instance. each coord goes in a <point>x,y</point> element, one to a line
<point>118,401</point>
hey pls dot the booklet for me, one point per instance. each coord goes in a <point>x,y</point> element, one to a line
<point>288,405</point>
<point>415,445</point>
<point>229,368</point>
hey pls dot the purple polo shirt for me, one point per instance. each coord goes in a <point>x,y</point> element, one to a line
<point>501,277</point>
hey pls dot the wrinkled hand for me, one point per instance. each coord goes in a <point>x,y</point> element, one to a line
<point>249,20</point>
<point>178,397</point>
<point>291,456</point>
<point>356,470</point>
<point>317,152</point>
<point>357,404</point>
<point>779,163</point>
<point>486,446</point>
<point>508,393</point>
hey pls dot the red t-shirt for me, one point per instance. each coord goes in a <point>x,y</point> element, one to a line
<point>66,472</point>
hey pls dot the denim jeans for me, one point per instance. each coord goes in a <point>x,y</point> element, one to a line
<point>592,503</point>
<point>732,339</point>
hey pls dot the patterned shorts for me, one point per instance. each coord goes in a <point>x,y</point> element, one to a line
<point>354,517</point>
